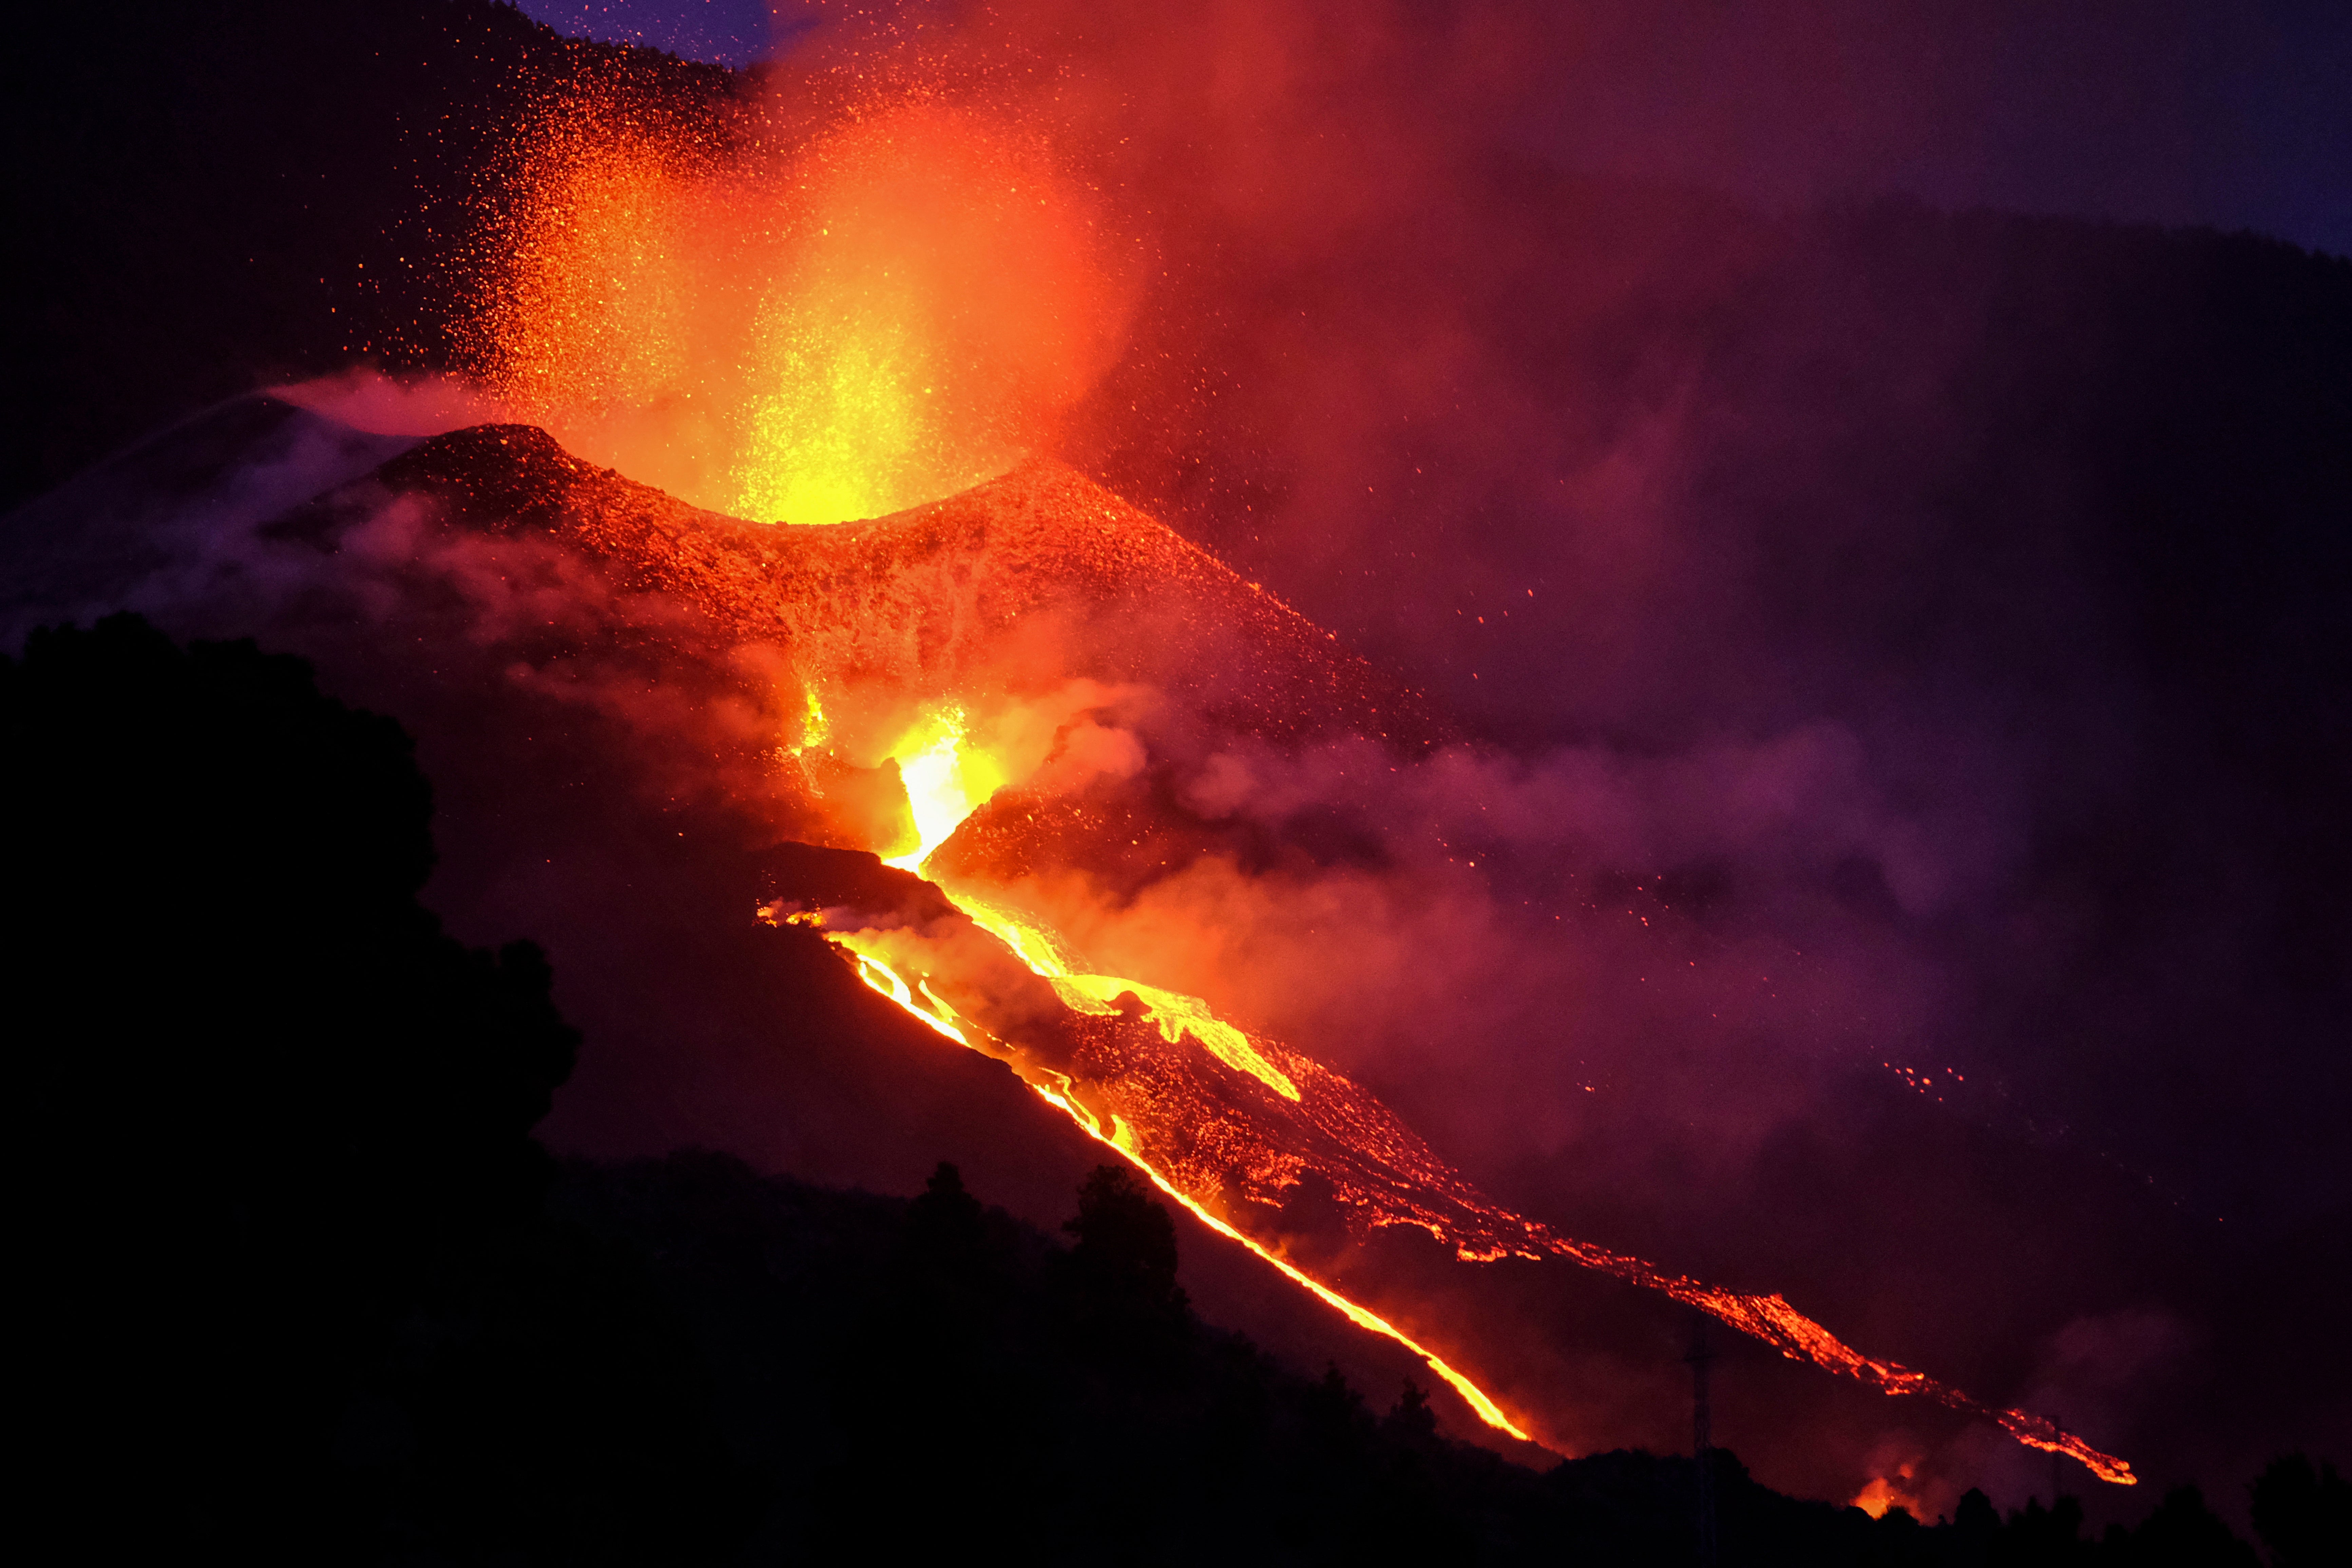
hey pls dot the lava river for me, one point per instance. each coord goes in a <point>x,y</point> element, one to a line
<point>1201,1108</point>
<point>931,670</point>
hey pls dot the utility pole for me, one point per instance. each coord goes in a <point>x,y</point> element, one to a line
<point>1702,1440</point>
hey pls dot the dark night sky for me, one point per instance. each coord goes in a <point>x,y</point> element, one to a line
<point>2176,111</point>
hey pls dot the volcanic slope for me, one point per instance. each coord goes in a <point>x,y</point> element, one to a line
<point>1038,575</point>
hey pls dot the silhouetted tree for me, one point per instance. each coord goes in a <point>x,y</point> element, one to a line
<point>944,1222</point>
<point>2037,1536</point>
<point>2184,1533</point>
<point>281,1216</point>
<point>2303,1513</point>
<point>1336,1416</point>
<point>1411,1420</point>
<point>935,1330</point>
<point>1126,1247</point>
<point>1975,1527</point>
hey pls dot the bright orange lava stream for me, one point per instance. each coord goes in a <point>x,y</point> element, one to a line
<point>886,980</point>
<point>1488,1412</point>
<point>814,328</point>
<point>944,786</point>
<point>941,1018</point>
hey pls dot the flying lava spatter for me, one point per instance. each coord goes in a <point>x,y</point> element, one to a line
<point>880,315</point>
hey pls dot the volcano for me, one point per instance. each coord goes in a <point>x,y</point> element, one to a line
<point>827,684</point>
<point>1835,830</point>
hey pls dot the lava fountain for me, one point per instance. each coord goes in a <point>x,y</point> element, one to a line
<point>883,315</point>
<point>794,324</point>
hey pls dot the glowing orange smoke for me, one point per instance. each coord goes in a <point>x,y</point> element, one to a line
<point>1887,1491</point>
<point>795,326</point>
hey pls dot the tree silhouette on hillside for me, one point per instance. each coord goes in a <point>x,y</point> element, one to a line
<point>1126,1251</point>
<point>275,1179</point>
<point>2303,1513</point>
<point>299,1286</point>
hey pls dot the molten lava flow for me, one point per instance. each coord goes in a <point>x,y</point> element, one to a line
<point>1485,1409</point>
<point>809,319</point>
<point>945,782</point>
<point>1194,1132</point>
<point>940,1016</point>
<point>944,786</point>
<point>886,980</point>
<point>1176,1015</point>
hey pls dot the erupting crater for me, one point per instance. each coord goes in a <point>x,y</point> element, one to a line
<point>973,690</point>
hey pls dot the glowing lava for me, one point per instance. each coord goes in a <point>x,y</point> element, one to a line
<point>1192,1136</point>
<point>1176,1015</point>
<point>792,325</point>
<point>940,1016</point>
<point>945,782</point>
<point>815,322</point>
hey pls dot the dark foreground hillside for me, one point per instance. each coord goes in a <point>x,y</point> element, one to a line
<point>298,1284</point>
